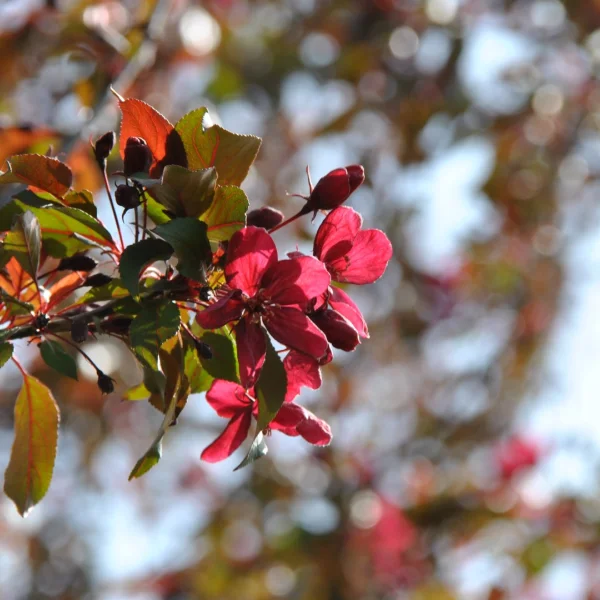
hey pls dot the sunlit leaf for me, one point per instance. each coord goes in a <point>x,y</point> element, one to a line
<point>147,461</point>
<point>137,257</point>
<point>24,242</point>
<point>6,351</point>
<point>257,450</point>
<point>153,326</point>
<point>185,193</point>
<point>65,230</point>
<point>192,248</point>
<point>29,470</point>
<point>271,387</point>
<point>223,364</point>
<point>42,172</point>
<point>232,154</point>
<point>57,358</point>
<point>227,213</point>
<point>83,200</point>
<point>141,120</point>
<point>174,394</point>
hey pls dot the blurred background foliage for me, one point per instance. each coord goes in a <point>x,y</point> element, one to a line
<point>465,453</point>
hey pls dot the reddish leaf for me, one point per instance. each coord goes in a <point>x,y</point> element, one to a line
<point>42,172</point>
<point>141,120</point>
<point>29,470</point>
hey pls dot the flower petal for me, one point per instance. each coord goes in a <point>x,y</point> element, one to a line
<point>302,371</point>
<point>336,234</point>
<point>296,281</point>
<point>227,398</point>
<point>366,261</point>
<point>294,329</point>
<point>225,310</point>
<point>251,350</point>
<point>250,254</point>
<point>230,440</point>
<point>342,303</point>
<point>339,331</point>
<point>293,419</point>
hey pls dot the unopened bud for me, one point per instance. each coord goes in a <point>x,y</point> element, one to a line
<point>79,331</point>
<point>266,217</point>
<point>41,322</point>
<point>103,148</point>
<point>127,197</point>
<point>105,383</point>
<point>203,349</point>
<point>337,329</point>
<point>119,325</point>
<point>138,157</point>
<point>79,262</point>
<point>98,280</point>
<point>333,189</point>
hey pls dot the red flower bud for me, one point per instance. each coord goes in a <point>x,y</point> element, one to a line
<point>265,217</point>
<point>138,157</point>
<point>98,280</point>
<point>203,349</point>
<point>338,330</point>
<point>335,188</point>
<point>105,383</point>
<point>79,331</point>
<point>103,148</point>
<point>78,262</point>
<point>127,197</point>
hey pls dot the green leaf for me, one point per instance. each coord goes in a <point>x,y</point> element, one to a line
<point>48,174</point>
<point>83,200</point>
<point>156,211</point>
<point>17,307</point>
<point>29,470</point>
<point>110,291</point>
<point>223,364</point>
<point>192,248</point>
<point>192,367</point>
<point>57,358</point>
<point>151,328</point>
<point>175,393</point>
<point>147,461</point>
<point>138,392</point>
<point>24,242</point>
<point>185,193</point>
<point>232,154</point>
<point>6,351</point>
<point>270,388</point>
<point>65,230</point>
<point>139,256</point>
<point>257,450</point>
<point>227,213</point>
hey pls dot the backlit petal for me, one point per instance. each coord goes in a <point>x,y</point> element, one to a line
<point>294,329</point>
<point>342,303</point>
<point>225,310</point>
<point>230,440</point>
<point>296,281</point>
<point>336,234</point>
<point>251,349</point>
<point>302,371</point>
<point>227,398</point>
<point>293,419</point>
<point>250,254</point>
<point>366,261</point>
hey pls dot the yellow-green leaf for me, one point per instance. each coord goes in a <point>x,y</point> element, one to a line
<point>232,154</point>
<point>43,172</point>
<point>29,470</point>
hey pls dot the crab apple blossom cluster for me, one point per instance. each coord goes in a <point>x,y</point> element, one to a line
<point>296,301</point>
